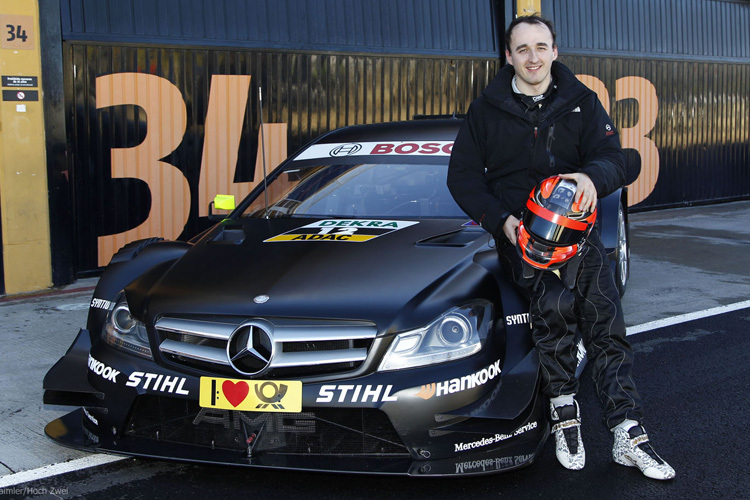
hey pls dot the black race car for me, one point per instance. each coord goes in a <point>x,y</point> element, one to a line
<point>347,316</point>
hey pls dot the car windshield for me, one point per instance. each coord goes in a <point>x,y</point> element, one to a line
<point>360,190</point>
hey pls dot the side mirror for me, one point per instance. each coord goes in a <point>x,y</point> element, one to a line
<point>220,202</point>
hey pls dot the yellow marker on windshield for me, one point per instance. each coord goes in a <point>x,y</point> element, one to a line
<point>224,202</point>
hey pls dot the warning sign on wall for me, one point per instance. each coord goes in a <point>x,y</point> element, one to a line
<point>20,81</point>
<point>20,95</point>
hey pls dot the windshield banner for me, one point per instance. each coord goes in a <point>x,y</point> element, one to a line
<point>396,148</point>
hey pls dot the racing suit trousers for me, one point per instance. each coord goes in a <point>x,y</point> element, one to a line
<point>591,307</point>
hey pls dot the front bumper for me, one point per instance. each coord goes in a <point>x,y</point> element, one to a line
<point>423,422</point>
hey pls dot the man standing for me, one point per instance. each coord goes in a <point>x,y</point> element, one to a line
<point>536,120</point>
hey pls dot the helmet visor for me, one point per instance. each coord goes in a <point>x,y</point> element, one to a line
<point>552,228</point>
<point>541,255</point>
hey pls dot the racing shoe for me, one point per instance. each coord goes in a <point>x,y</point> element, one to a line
<point>632,449</point>
<point>566,426</point>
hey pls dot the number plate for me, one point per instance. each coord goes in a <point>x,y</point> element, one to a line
<point>251,395</point>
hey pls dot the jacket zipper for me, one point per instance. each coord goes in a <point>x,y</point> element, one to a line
<point>550,138</point>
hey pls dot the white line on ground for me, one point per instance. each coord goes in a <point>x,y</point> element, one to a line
<point>57,469</point>
<point>684,318</point>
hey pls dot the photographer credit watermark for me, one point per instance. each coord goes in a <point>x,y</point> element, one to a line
<point>30,490</point>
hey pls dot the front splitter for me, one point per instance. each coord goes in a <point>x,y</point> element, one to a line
<point>68,430</point>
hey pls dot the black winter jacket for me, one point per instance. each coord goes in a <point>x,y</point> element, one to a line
<point>502,152</point>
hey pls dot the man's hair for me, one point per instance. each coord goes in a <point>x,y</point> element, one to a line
<point>532,19</point>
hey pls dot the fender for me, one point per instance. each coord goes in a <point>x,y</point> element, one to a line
<point>608,208</point>
<point>130,262</point>
<point>511,397</point>
<point>66,383</point>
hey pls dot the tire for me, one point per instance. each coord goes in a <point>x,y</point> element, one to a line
<point>622,252</point>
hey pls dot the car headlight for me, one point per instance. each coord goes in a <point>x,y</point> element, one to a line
<point>122,331</point>
<point>456,334</point>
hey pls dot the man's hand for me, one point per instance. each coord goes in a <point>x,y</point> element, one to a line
<point>586,193</point>
<point>510,228</point>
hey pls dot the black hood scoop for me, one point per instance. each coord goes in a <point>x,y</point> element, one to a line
<point>461,238</point>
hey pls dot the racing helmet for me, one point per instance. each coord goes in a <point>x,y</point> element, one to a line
<point>553,228</point>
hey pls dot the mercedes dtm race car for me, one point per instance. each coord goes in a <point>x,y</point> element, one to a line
<point>348,317</point>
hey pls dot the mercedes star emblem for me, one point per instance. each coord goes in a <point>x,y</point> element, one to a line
<point>250,349</point>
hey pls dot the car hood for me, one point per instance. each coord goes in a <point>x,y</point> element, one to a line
<point>301,270</point>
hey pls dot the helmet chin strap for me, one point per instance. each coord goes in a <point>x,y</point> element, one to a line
<point>569,272</point>
<point>536,281</point>
<point>528,271</point>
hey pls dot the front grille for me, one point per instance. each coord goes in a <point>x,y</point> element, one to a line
<point>294,348</point>
<point>320,431</point>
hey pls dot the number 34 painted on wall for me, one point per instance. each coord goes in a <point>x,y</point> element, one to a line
<point>166,116</point>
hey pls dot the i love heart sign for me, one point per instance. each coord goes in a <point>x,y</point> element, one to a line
<point>235,392</point>
<point>251,395</point>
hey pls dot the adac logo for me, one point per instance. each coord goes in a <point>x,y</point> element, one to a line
<point>342,230</point>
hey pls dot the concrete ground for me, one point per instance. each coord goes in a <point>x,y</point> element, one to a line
<point>682,261</point>
<point>35,332</point>
<point>687,259</point>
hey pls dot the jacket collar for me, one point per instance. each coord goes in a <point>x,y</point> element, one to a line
<point>570,90</point>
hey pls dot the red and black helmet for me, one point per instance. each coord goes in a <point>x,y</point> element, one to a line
<point>554,228</point>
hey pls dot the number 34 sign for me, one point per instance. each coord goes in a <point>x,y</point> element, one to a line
<point>17,32</point>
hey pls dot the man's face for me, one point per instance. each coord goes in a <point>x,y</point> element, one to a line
<point>532,52</point>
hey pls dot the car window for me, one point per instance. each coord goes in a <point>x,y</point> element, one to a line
<point>359,190</point>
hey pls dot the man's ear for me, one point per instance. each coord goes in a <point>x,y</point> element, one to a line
<point>508,56</point>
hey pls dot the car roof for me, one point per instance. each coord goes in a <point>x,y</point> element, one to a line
<point>428,129</point>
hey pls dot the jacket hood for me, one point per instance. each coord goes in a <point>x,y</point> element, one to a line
<point>569,89</point>
<point>306,272</point>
